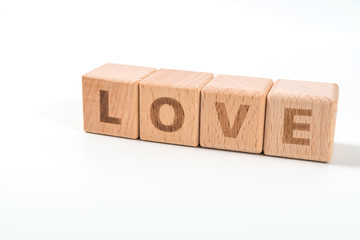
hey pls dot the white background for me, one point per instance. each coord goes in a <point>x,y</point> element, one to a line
<point>57,182</point>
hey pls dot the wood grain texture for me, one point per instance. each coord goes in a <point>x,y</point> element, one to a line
<point>170,106</point>
<point>300,120</point>
<point>111,99</point>
<point>232,113</point>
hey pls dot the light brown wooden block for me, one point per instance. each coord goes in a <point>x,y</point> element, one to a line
<point>232,113</point>
<point>169,106</point>
<point>111,99</point>
<point>300,120</point>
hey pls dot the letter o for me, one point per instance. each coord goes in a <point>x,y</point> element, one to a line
<point>178,118</point>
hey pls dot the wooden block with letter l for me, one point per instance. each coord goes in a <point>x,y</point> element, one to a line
<point>111,99</point>
<point>300,120</point>
<point>170,106</point>
<point>233,113</point>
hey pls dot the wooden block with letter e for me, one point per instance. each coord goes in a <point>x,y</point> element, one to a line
<point>300,120</point>
<point>111,99</point>
<point>170,106</point>
<point>233,113</point>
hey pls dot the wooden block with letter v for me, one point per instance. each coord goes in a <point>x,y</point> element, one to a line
<point>111,99</point>
<point>233,113</point>
<point>170,106</point>
<point>300,120</point>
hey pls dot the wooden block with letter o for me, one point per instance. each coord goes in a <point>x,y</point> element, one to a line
<point>300,120</point>
<point>170,106</point>
<point>111,99</point>
<point>233,113</point>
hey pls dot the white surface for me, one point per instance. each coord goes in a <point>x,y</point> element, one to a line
<point>57,182</point>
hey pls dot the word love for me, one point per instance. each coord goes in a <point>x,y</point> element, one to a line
<point>294,119</point>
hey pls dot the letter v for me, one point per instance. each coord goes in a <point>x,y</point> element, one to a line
<point>224,119</point>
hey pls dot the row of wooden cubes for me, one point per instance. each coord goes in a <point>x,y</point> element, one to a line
<point>293,119</point>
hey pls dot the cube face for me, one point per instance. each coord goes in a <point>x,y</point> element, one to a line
<point>111,99</point>
<point>232,113</point>
<point>300,120</point>
<point>170,106</point>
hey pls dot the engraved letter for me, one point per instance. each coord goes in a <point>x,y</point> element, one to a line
<point>290,126</point>
<point>178,118</point>
<point>224,119</point>
<point>104,109</point>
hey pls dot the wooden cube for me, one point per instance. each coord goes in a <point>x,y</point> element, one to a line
<point>300,120</point>
<point>111,99</point>
<point>170,106</point>
<point>233,113</point>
